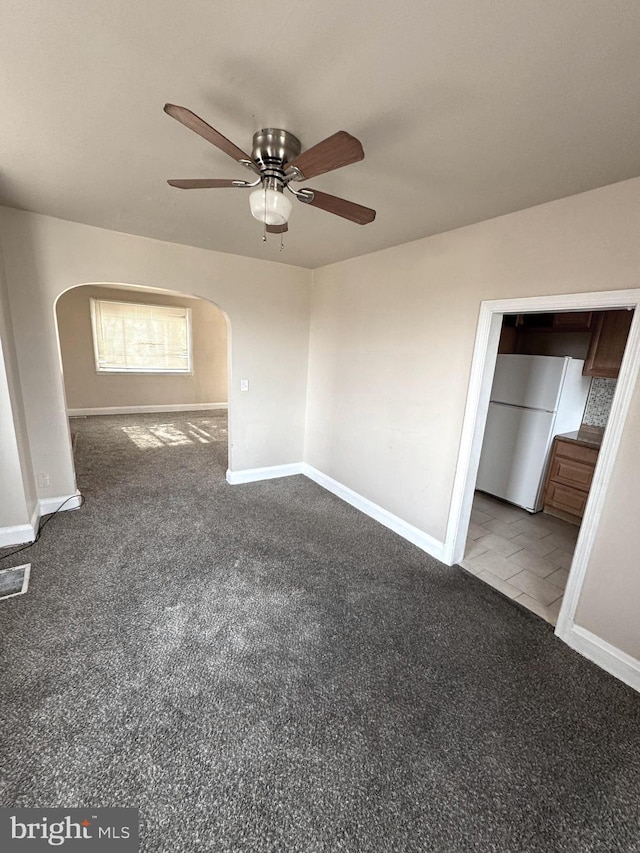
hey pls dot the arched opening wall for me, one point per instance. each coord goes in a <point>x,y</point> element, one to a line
<point>91,391</point>
<point>267,305</point>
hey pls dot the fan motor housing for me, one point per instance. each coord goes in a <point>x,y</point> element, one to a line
<point>274,148</point>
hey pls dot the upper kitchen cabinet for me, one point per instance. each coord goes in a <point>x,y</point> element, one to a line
<point>572,321</point>
<point>609,333</point>
<point>559,334</point>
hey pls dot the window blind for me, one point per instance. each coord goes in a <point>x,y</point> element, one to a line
<point>129,336</point>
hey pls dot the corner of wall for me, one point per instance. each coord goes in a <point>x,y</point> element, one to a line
<point>19,503</point>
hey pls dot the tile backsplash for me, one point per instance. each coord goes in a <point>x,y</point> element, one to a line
<point>596,412</point>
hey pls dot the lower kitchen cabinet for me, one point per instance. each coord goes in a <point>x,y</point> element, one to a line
<point>569,479</point>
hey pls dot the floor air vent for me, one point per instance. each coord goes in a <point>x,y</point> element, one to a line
<point>14,581</point>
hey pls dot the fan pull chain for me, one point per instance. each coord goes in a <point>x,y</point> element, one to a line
<point>281,242</point>
<point>264,227</point>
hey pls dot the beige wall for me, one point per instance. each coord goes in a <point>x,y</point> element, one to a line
<point>390,353</point>
<point>86,388</point>
<point>267,305</point>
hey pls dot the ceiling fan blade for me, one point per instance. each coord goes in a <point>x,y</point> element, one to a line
<point>195,123</point>
<point>341,207</point>
<point>277,229</point>
<point>206,183</point>
<point>336,151</point>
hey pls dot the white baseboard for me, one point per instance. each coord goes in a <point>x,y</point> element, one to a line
<point>16,534</point>
<point>146,410</point>
<point>393,522</point>
<point>47,505</point>
<point>608,657</point>
<point>20,534</point>
<point>252,475</point>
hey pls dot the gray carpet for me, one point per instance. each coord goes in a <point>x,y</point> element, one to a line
<point>262,668</point>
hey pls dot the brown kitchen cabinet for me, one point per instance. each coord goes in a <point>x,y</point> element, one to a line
<point>517,329</point>
<point>572,321</point>
<point>569,478</point>
<point>608,340</point>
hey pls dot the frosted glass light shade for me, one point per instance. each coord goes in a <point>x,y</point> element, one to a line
<point>270,206</point>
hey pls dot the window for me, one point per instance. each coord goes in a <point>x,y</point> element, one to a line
<point>133,338</point>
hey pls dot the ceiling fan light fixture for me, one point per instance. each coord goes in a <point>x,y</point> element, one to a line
<point>276,160</point>
<point>270,206</point>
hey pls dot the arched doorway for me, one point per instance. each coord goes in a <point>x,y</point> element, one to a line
<point>150,393</point>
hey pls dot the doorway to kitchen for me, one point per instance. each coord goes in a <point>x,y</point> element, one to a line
<point>478,397</point>
<point>551,395</point>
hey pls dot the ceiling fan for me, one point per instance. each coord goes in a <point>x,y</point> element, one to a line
<point>276,160</point>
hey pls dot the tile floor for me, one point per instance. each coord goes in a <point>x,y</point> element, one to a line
<point>526,557</point>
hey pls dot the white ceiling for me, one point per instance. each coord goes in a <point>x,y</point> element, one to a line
<point>467,109</point>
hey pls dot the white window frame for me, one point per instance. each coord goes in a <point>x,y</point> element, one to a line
<point>188,369</point>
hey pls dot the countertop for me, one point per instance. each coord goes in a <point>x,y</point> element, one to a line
<point>585,437</point>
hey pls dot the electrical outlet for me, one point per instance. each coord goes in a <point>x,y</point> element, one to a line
<point>43,480</point>
<point>244,384</point>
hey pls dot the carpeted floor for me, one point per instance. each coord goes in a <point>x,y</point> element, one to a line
<point>262,668</point>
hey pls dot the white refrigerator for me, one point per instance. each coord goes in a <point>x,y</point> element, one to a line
<point>533,398</point>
